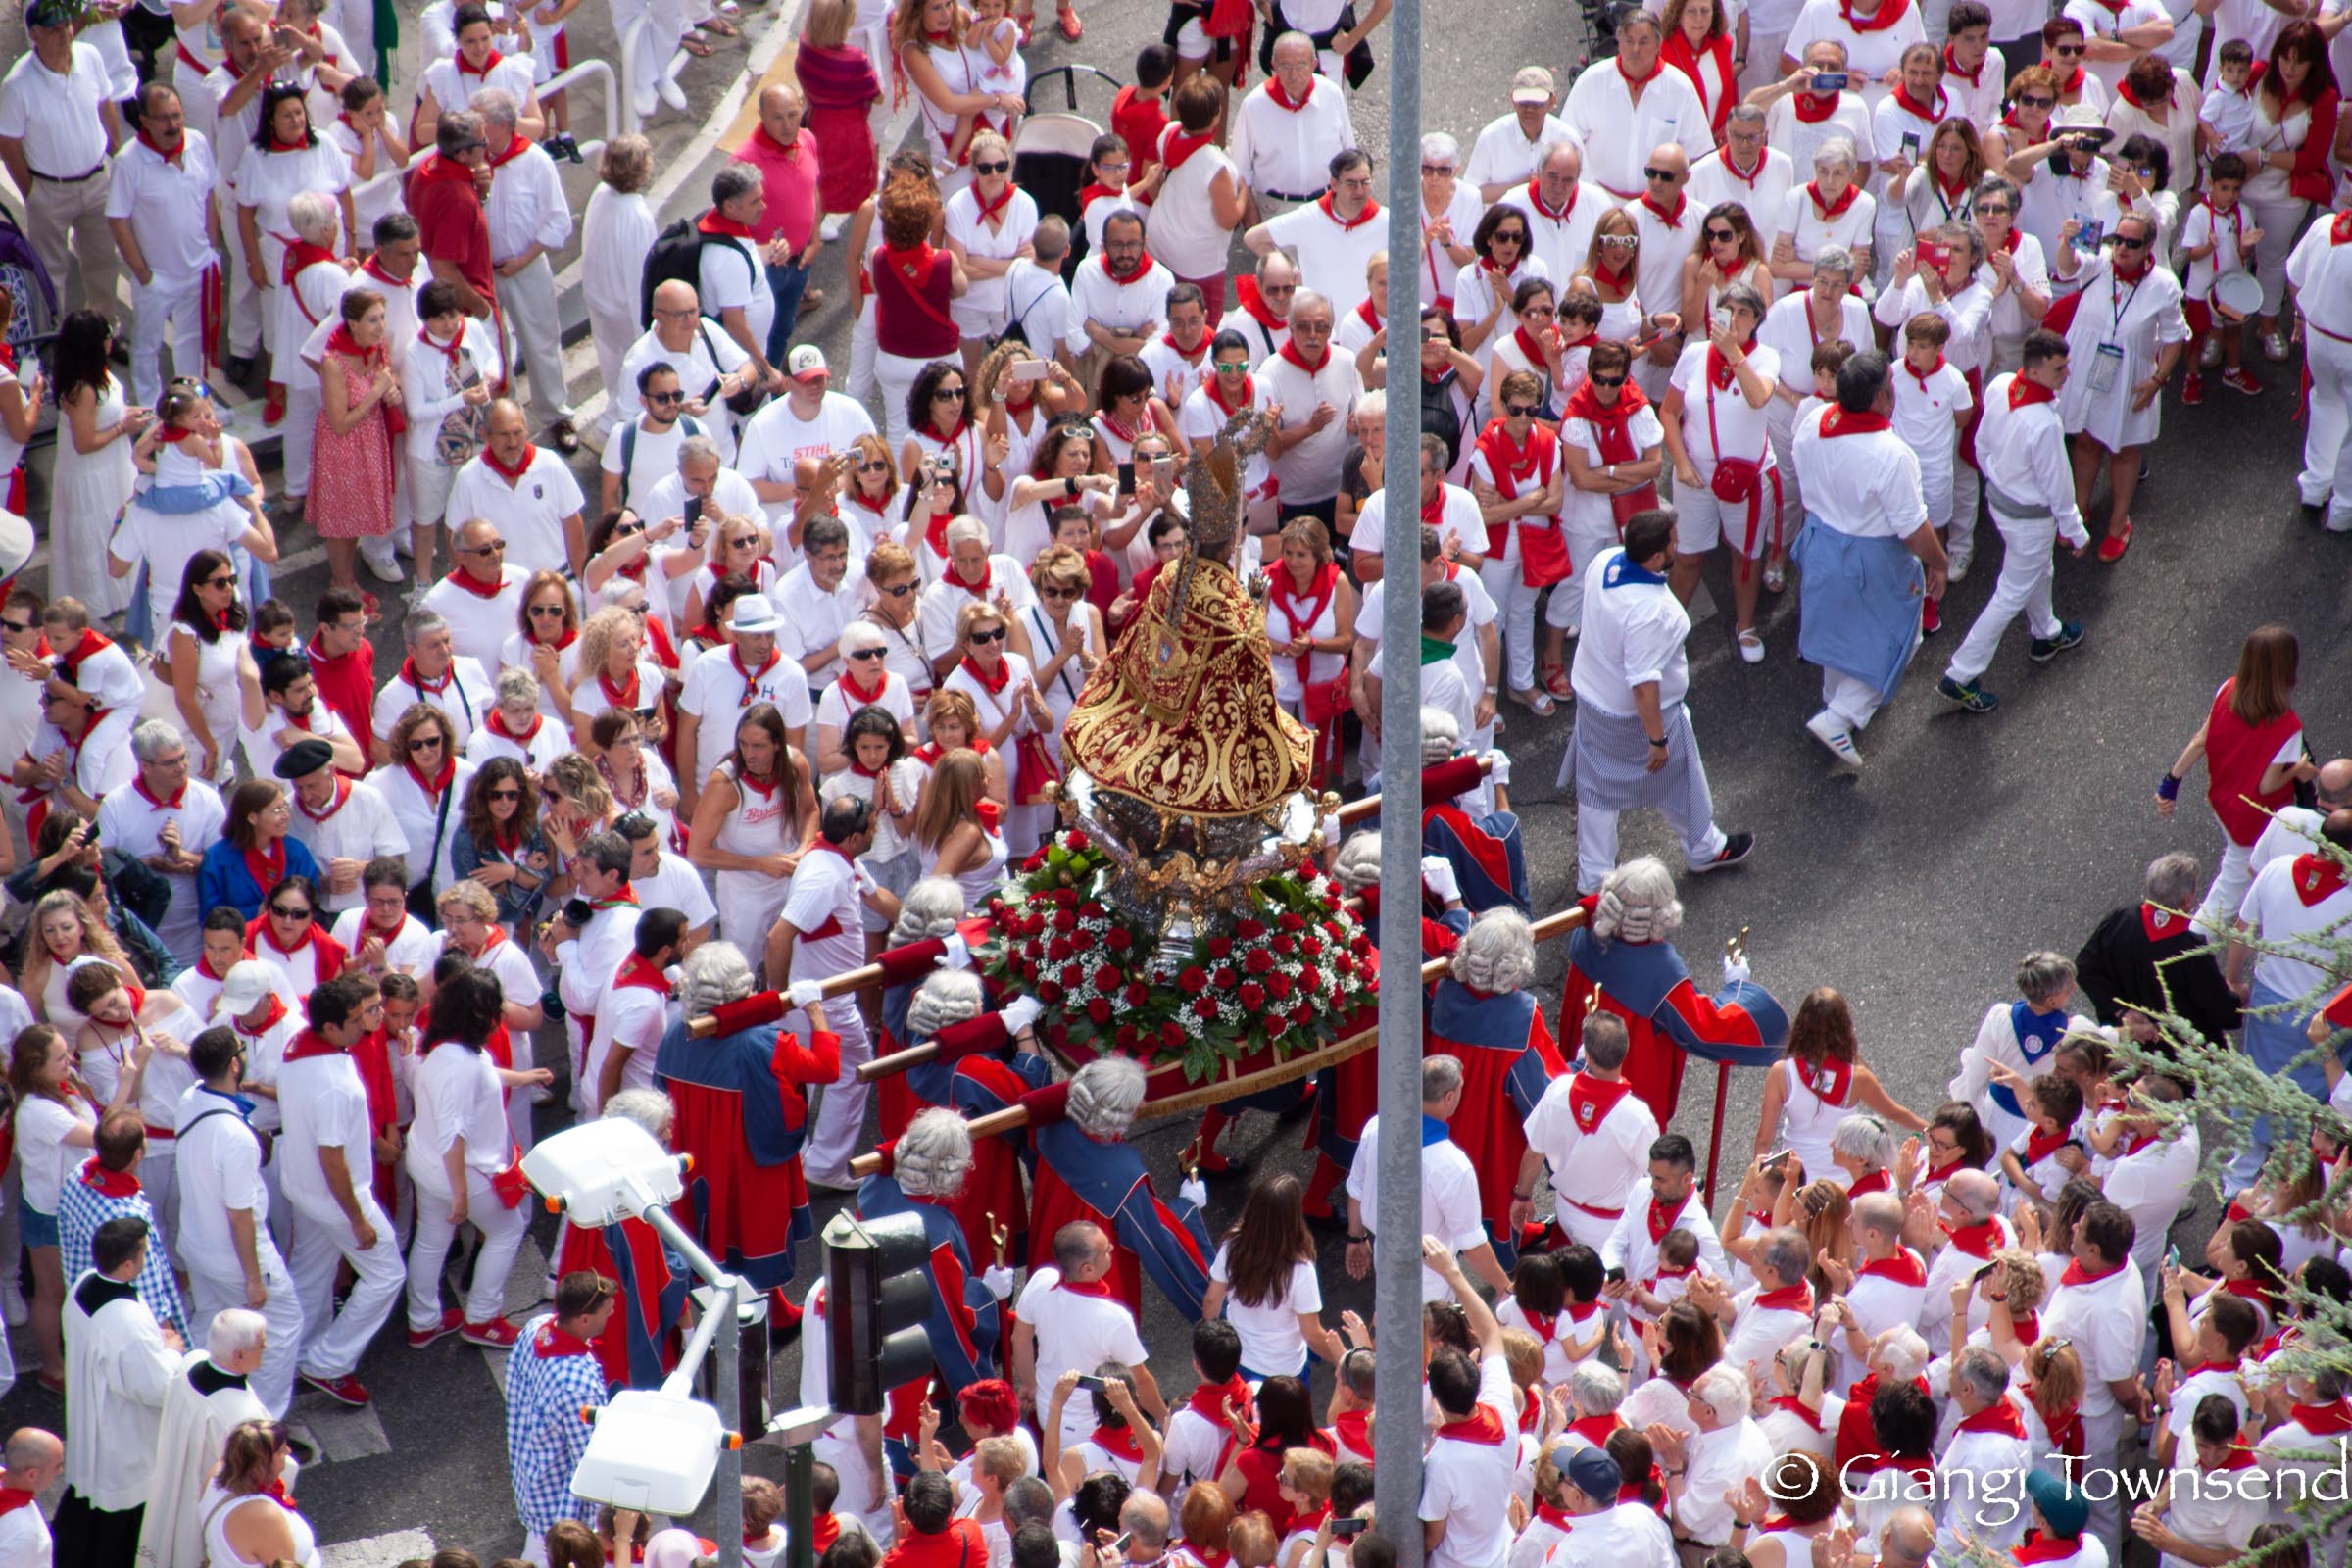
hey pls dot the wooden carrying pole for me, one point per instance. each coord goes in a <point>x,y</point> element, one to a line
<point>1014,1117</point>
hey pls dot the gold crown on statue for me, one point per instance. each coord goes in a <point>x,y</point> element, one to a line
<point>1213,484</point>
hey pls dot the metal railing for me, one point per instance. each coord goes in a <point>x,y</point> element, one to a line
<point>616,121</point>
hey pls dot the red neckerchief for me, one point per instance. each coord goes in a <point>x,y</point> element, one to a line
<point>407,672</point>
<point>1534,352</point>
<point>1095,193</point>
<point>1661,1220</point>
<point>1282,97</point>
<point>1353,1428</point>
<point>752,678</point>
<point>139,782</point>
<point>376,270</point>
<point>2240,1458</point>
<point>1347,225</point>
<point>2340,230</point>
<point>2040,1146</point>
<point>1612,423</point>
<point>857,694</point>
<point>516,147</point>
<point>1673,220</point>
<point>266,868</point>
<point>258,932</point>
<point>341,796</point>
<point>1797,1298</point>
<point>1837,209</point>
<point>513,476</point>
<point>1481,1426</point>
<point>1142,268</point>
<point>301,144</point>
<point>484,70</point>
<point>475,585</point>
<point>108,1183</point>
<point>1298,607</point>
<point>497,725</point>
<point>301,253</point>
<point>1591,1099</point>
<point>625,898</point>
<point>1620,278</point>
<point>1719,373</point>
<point>1951,195</point>
<point>1100,1290</point>
<point>1814,108</point>
<point>1217,397</point>
<point>1678,52</point>
<point>276,1015</point>
<point>1208,1400</point>
<point>204,965</point>
<point>2076,1274</point>
<point>2321,1420</point>
<point>1433,511</point>
<point>2024,393</point>
<point>448,351</point>
<point>990,211</point>
<point>1192,356</point>
<point>2252,1290</point>
<point>2038,1547</point>
<point>1876,1181</point>
<point>439,781</point>
<point>1976,1241</point>
<point>1245,290</point>
<point>639,970</point>
<point>1559,1519</point>
<point>1290,352</point>
<point>11,1500</point>
<point>1951,68</point>
<point>1999,1416</point>
<point>311,1044</point>
<point>1596,1428</point>
<point>1367,311</point>
<point>2134,275</point>
<point>2134,99</point>
<point>1117,1441</point>
<point>1633,82</point>
<point>761,136</point>
<point>2317,877</point>
<point>1903,1268</point>
<point>991,684</point>
<point>1886,16</point>
<point>1175,147</point>
<point>173,156</point>
<point>1534,199</point>
<point>91,643</point>
<point>619,695</point>
<point>551,1342</point>
<point>1844,421</point>
<point>1911,106</point>
<point>1797,1408</point>
<point>1921,376</point>
<point>717,223</point>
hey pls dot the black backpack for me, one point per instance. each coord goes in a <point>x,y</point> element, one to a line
<point>677,256</point>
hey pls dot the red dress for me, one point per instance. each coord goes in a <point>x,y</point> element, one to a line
<point>841,87</point>
<point>351,475</point>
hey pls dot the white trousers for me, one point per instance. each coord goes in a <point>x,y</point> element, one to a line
<point>862,350</point>
<point>337,1340</point>
<point>248,307</point>
<point>2229,878</point>
<point>1586,539</point>
<point>2102,1444</point>
<point>1689,811</point>
<point>1852,701</point>
<point>159,1179</point>
<point>1780,423</point>
<point>502,1230</point>
<point>527,301</point>
<point>1586,1230</point>
<point>167,306</point>
<point>1506,584</point>
<point>841,1109</point>
<point>2327,478</point>
<point>2023,585</point>
<point>2280,222</point>
<point>298,435</point>
<point>894,375</point>
<point>429,481</point>
<point>612,335</point>
<point>209,1296</point>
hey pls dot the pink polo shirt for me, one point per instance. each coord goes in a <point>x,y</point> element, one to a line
<point>789,175</point>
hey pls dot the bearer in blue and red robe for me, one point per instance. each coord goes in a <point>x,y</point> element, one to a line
<point>1645,984</point>
<point>981,1068</point>
<point>1094,1175</point>
<point>639,1345</point>
<point>1484,847</point>
<point>743,1115</point>
<point>1508,1059</point>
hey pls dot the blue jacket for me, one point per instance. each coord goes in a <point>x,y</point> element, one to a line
<point>223,879</point>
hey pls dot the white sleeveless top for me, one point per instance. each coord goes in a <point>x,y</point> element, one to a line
<point>981,880</point>
<point>1807,1121</point>
<point>757,824</point>
<point>219,1553</point>
<point>939,126</point>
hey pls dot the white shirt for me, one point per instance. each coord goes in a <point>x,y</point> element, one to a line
<point>457,1097</point>
<point>1633,633</point>
<point>431,390</point>
<point>1503,156</point>
<point>1001,242</point>
<point>1620,134</point>
<point>1976,1463</point>
<point>823,906</point>
<point>1332,255</point>
<point>1458,518</point>
<point>131,822</point>
<point>530,513</point>
<point>1480,612</point>
<point>1800,140</point>
<point>634,1016</point>
<point>1864,484</point>
<point>1289,152</point>
<point>1868,56</point>
<point>1449,1202</point>
<point>1075,1331</point>
<point>733,276</point>
<point>2152,1186</point>
<point>777,437</point>
<point>1717,1462</point>
<point>57,116</point>
<point>719,688</point>
<point>2322,271</point>
<point>478,626</point>
<point>1713,180</point>
<point>2101,22</point>
<point>1979,102</point>
<point>1463,1481</point>
<point>708,356</point>
<point>1630,1248</point>
<point>813,618</point>
<point>325,1106</point>
<point>1310,470</point>
<point>1557,243</point>
<point>676,886</point>
<point>412,949</point>
<point>166,204</point>
<point>2022,452</point>
<point>1183,222</point>
<point>1789,331</point>
<point>466,699</point>
<point>418,818</point>
<point>1745,430</point>
<point>1591,1171</point>
<point>941,604</point>
<point>1125,308</point>
<point>2104,1319</point>
<point>1925,410</point>
<point>526,206</point>
<point>2274,910</point>
<point>219,1168</point>
<point>614,236</point>
<point>359,828</point>
<point>1271,1342</point>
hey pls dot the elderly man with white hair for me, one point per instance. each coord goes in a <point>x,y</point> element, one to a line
<point>1483,1017</point>
<point>1595,1390</point>
<point>1087,1171</point>
<point>1451,1202</point>
<point>1718,1458</point>
<point>529,220</point>
<point>313,293</point>
<point>167,819</point>
<point>207,1400</point>
<point>928,1165</point>
<point>1510,146</point>
<point>1562,208</point>
<point>1623,110</point>
<point>972,572</point>
<point>1862,1153</point>
<point>1969,1220</point>
<point>743,1114</point>
<point>1316,390</point>
<point>1286,129</point>
<point>1625,954</point>
<point>1989,1454</point>
<point>635,1348</point>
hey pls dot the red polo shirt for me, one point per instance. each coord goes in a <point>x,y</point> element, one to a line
<point>451,222</point>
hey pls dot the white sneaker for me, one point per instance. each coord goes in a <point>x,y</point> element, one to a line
<point>384,571</point>
<point>1826,728</point>
<point>672,93</point>
<point>832,227</point>
<point>1956,565</point>
<point>2338,521</point>
<point>2211,355</point>
<point>645,103</point>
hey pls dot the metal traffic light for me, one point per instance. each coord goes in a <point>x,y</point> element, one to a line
<point>878,1299</point>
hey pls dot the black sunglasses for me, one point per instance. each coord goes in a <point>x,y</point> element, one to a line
<point>424,743</point>
<point>666,398</point>
<point>229,582</point>
<point>284,914</point>
<point>19,628</point>
<point>1518,411</point>
<point>995,636</point>
<point>898,591</point>
<point>869,653</point>
<point>1667,174</point>
<point>1512,237</point>
<point>1606,381</point>
<point>951,393</point>
<point>1723,236</point>
<point>505,795</point>
<point>998,167</point>
<point>553,611</point>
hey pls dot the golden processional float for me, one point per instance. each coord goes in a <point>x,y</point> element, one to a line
<point>1179,915</point>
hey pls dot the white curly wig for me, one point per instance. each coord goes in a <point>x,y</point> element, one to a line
<point>933,1155</point>
<point>931,909</point>
<point>948,997</point>
<point>1440,736</point>
<point>1498,953</point>
<point>1357,865</point>
<point>1104,1096</point>
<point>649,1109</point>
<point>713,973</point>
<point>1638,902</point>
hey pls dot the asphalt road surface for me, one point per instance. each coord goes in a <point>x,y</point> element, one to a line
<point>1913,887</point>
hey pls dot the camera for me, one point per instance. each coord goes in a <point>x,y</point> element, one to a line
<point>577,912</point>
<point>1829,80</point>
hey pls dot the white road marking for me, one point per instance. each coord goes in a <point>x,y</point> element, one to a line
<point>377,1551</point>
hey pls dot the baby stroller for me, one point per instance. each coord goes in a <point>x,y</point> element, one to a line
<point>1051,149</point>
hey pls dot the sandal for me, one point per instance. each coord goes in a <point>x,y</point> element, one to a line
<point>1775,575</point>
<point>1554,679</point>
<point>1071,28</point>
<point>1534,700</point>
<point>2112,546</point>
<point>695,47</point>
<point>719,27</point>
<point>1028,21</point>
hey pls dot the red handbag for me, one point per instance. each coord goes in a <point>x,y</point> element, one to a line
<point>1037,769</point>
<point>1543,554</point>
<point>510,1184</point>
<point>1631,503</point>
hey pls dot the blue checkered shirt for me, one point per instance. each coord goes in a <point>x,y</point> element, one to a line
<point>545,1434</point>
<point>81,1208</point>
